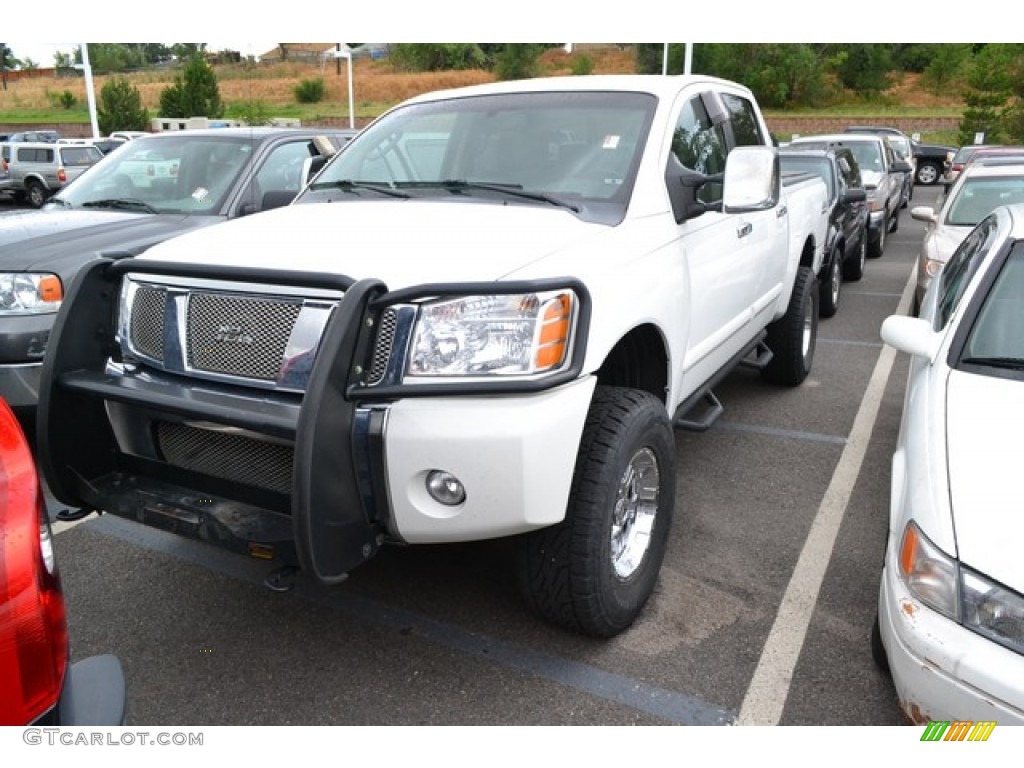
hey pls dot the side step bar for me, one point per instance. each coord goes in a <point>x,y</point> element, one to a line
<point>704,418</point>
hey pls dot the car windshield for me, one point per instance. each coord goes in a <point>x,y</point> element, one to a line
<point>79,156</point>
<point>901,146</point>
<point>976,198</point>
<point>867,153</point>
<point>996,339</point>
<point>162,174</point>
<point>579,150</point>
<point>819,166</point>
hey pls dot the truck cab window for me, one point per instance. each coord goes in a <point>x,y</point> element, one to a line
<point>700,146</point>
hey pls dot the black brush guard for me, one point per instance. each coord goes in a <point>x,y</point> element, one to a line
<point>336,515</point>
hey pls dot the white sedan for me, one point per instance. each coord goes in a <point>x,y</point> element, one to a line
<point>951,600</point>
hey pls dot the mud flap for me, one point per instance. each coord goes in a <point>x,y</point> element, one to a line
<point>333,532</point>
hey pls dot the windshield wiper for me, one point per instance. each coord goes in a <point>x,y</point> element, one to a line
<point>59,201</point>
<point>348,185</point>
<point>515,190</point>
<point>122,203</point>
<point>1012,363</point>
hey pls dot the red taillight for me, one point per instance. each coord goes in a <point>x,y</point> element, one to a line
<point>62,175</point>
<point>33,626</point>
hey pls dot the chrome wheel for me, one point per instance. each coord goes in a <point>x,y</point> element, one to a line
<point>636,506</point>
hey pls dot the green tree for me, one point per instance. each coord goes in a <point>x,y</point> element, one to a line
<point>120,107</point>
<point>865,68</point>
<point>433,57</point>
<point>517,61</point>
<point>989,91</point>
<point>194,92</point>
<point>948,64</point>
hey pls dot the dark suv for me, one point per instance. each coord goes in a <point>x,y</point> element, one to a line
<point>847,245</point>
<point>47,137</point>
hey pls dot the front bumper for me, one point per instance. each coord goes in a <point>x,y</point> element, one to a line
<point>941,670</point>
<point>322,477</point>
<point>23,342</point>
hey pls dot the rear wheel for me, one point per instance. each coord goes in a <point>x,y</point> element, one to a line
<point>594,572</point>
<point>894,221</point>
<point>793,336</point>
<point>36,194</point>
<point>853,268</point>
<point>830,286</point>
<point>928,173</point>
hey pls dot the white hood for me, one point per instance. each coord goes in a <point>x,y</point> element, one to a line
<point>403,243</point>
<point>985,422</point>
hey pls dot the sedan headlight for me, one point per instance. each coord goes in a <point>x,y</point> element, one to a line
<point>944,584</point>
<point>930,574</point>
<point>515,334</point>
<point>29,293</point>
<point>992,610</point>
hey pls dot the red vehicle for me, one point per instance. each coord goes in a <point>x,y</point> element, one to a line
<point>37,683</point>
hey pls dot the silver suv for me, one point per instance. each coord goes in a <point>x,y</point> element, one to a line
<point>33,171</point>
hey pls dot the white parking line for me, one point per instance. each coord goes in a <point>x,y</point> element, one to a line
<point>769,686</point>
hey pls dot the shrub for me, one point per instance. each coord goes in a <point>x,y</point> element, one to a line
<point>253,112</point>
<point>194,93</point>
<point>582,65</point>
<point>120,107</point>
<point>309,90</point>
<point>67,99</point>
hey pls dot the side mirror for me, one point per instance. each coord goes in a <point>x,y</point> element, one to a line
<point>901,166</point>
<point>923,213</point>
<point>911,335</point>
<point>752,180</point>
<point>311,167</point>
<point>855,195</point>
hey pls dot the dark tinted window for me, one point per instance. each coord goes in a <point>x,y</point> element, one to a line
<point>700,146</point>
<point>745,128</point>
<point>955,276</point>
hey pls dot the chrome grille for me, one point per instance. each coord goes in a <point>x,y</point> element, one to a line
<point>225,455</point>
<point>382,347</point>
<point>147,322</point>
<point>239,335</point>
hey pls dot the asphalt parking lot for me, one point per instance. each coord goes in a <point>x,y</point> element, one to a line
<point>762,614</point>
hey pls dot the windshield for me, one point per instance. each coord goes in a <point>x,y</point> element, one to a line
<point>867,153</point>
<point>819,166</point>
<point>901,146</point>
<point>978,197</point>
<point>162,174</point>
<point>996,341</point>
<point>577,149</point>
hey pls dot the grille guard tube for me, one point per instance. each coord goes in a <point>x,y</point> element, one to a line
<point>332,530</point>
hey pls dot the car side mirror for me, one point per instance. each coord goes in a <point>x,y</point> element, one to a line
<point>901,166</point>
<point>923,213</point>
<point>752,180</point>
<point>912,335</point>
<point>854,195</point>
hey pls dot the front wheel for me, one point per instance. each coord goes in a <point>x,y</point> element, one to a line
<point>594,572</point>
<point>793,336</point>
<point>877,248</point>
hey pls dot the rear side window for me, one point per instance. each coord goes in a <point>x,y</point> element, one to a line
<point>34,155</point>
<point>743,118</point>
<point>79,156</point>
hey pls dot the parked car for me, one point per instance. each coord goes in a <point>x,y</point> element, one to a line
<point>46,137</point>
<point>847,244</point>
<point>36,170</point>
<point>966,154</point>
<point>105,146</point>
<point>37,684</point>
<point>154,188</point>
<point>127,135</point>
<point>931,161</point>
<point>882,174</point>
<point>950,622</point>
<point>903,148</point>
<point>984,185</point>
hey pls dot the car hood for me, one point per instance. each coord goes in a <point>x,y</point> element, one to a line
<point>985,419</point>
<point>871,178</point>
<point>403,243</point>
<point>60,240</point>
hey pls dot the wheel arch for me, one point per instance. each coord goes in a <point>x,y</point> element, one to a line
<point>638,360</point>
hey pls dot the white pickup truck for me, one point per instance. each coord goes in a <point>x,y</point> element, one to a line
<point>482,319</point>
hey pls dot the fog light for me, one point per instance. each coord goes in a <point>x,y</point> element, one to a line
<point>445,488</point>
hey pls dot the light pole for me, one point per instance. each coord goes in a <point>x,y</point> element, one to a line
<point>89,94</point>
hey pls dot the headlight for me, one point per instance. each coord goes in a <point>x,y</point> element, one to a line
<point>29,293</point>
<point>875,201</point>
<point>930,574</point>
<point>516,334</point>
<point>992,610</point>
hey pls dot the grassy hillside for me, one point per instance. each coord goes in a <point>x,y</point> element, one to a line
<point>377,85</point>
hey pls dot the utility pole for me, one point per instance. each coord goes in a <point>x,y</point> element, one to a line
<point>3,64</point>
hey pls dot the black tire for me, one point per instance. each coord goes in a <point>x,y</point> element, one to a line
<point>829,289</point>
<point>877,247</point>
<point>878,647</point>
<point>572,574</point>
<point>894,221</point>
<point>35,194</point>
<point>853,267</point>
<point>793,336</point>
<point>928,173</point>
